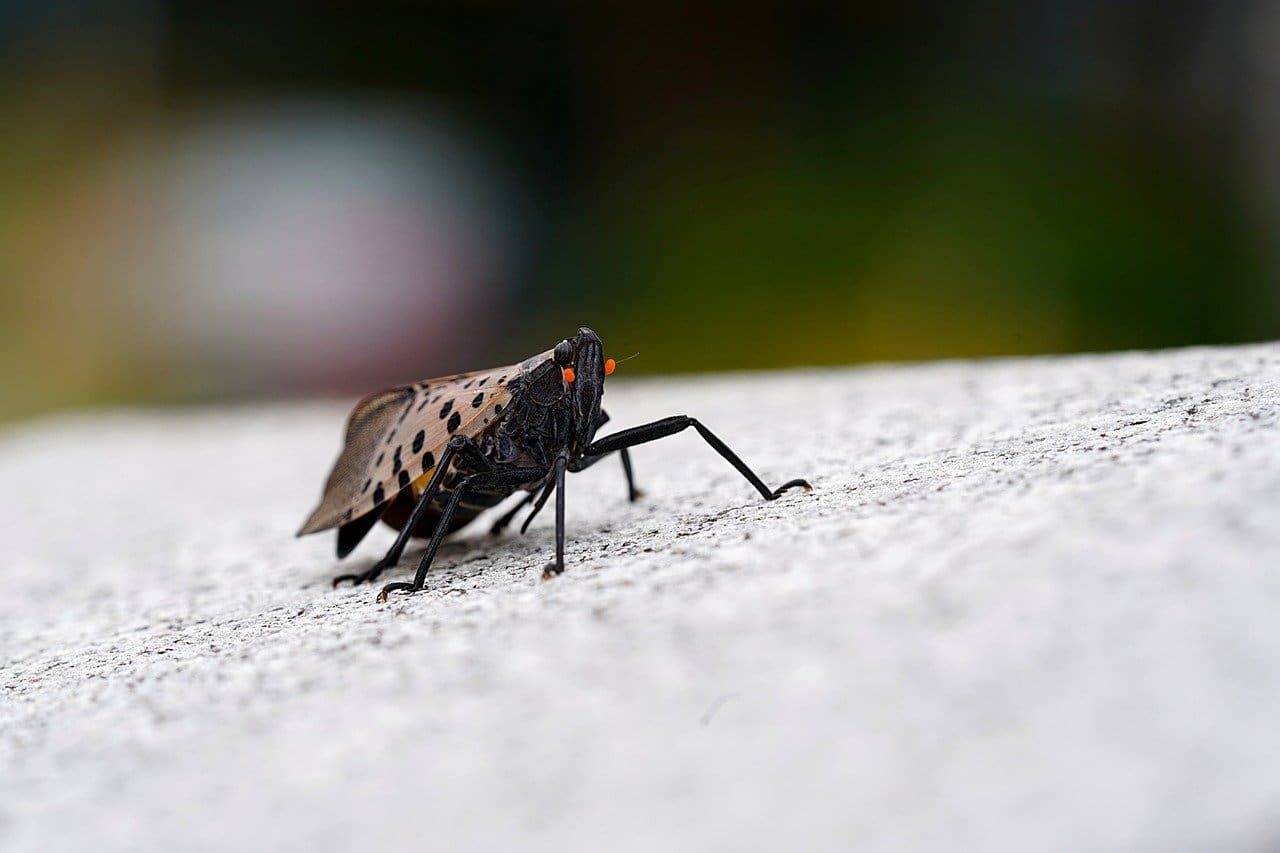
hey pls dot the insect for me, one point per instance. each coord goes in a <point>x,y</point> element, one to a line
<point>429,457</point>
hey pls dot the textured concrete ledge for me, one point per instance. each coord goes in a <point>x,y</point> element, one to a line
<point>1030,604</point>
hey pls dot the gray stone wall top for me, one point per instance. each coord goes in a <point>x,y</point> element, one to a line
<point>1030,604</point>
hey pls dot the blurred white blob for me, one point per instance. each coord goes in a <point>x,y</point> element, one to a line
<point>309,246</point>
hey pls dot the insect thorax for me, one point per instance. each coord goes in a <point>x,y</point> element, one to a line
<point>536,427</point>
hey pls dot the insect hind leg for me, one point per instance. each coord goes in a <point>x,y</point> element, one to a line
<point>455,445</point>
<point>512,477</point>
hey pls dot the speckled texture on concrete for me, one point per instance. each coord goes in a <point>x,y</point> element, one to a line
<point>1031,604</point>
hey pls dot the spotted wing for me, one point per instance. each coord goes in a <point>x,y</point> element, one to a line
<point>396,436</point>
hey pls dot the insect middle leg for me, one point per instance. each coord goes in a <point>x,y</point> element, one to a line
<point>633,494</point>
<point>678,423</point>
<point>537,507</point>
<point>510,477</point>
<point>505,521</point>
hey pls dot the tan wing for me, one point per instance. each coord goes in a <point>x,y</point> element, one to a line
<point>396,436</point>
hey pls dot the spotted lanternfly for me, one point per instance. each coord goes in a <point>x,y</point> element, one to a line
<point>429,457</point>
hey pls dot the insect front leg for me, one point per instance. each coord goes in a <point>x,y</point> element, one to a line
<point>678,423</point>
<point>557,568</point>
<point>511,477</point>
<point>456,445</point>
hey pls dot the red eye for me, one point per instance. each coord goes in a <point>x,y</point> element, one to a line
<point>609,365</point>
<point>569,375</point>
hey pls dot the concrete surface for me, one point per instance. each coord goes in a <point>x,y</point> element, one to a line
<point>1031,604</point>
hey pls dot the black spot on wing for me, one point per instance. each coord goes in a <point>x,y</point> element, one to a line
<point>455,421</point>
<point>403,479</point>
<point>367,484</point>
<point>378,495</point>
<point>428,461</point>
<point>446,409</point>
<point>419,440</point>
<point>396,463</point>
<point>497,410</point>
<point>477,400</point>
<point>377,463</point>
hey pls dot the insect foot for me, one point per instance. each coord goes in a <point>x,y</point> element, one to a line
<point>777,493</point>
<point>394,587</point>
<point>551,571</point>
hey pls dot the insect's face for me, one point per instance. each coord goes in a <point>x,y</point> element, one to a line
<point>582,360</point>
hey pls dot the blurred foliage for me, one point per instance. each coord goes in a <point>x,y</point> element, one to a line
<point>762,186</point>
<point>956,234</point>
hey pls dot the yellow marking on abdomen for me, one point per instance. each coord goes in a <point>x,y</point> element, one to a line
<point>419,485</point>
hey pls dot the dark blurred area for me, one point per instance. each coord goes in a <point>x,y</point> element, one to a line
<point>252,200</point>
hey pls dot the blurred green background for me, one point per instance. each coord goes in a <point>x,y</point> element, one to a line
<point>205,201</point>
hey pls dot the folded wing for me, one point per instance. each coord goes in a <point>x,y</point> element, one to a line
<point>395,436</point>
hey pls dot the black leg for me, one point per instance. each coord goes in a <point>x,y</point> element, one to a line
<point>397,549</point>
<point>537,508</point>
<point>469,455</point>
<point>633,494</point>
<point>502,523</point>
<point>511,477</point>
<point>582,463</point>
<point>546,491</point>
<point>557,568</point>
<point>677,423</point>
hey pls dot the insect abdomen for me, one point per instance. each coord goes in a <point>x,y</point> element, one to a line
<point>397,514</point>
